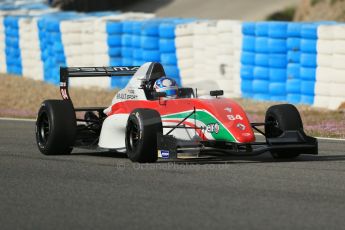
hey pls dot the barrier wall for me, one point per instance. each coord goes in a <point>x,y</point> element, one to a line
<point>208,54</point>
<point>300,63</point>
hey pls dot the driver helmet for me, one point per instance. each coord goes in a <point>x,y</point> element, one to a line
<point>167,85</point>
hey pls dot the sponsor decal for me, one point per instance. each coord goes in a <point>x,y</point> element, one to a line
<point>206,118</point>
<point>64,94</point>
<point>124,96</point>
<point>213,128</point>
<point>228,109</point>
<point>241,126</point>
<point>246,134</point>
<point>164,154</point>
<point>140,125</point>
<point>235,117</point>
<point>107,69</point>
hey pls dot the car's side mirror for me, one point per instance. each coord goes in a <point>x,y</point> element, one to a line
<point>159,94</point>
<point>216,93</point>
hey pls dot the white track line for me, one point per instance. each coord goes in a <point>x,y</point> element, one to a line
<point>319,138</point>
<point>256,134</point>
<point>16,119</point>
<point>330,139</point>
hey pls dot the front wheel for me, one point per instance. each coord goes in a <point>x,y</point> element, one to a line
<point>280,118</point>
<point>143,125</point>
<point>56,127</point>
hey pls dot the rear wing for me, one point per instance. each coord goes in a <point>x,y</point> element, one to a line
<point>67,72</point>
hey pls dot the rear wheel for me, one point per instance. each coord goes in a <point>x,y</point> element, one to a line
<point>143,125</point>
<point>280,118</point>
<point>56,127</point>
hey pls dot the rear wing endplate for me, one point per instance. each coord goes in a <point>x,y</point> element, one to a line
<point>67,72</point>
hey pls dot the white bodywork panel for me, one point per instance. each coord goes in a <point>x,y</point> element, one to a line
<point>113,132</point>
<point>133,90</point>
<point>114,128</point>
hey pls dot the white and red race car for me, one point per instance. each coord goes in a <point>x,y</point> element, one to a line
<point>146,125</point>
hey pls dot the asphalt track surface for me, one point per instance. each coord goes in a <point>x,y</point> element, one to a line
<point>106,191</point>
<point>213,9</point>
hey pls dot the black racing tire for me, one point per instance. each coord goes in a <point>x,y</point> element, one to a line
<point>56,127</point>
<point>280,118</point>
<point>142,128</point>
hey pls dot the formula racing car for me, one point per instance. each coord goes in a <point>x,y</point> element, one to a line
<point>146,125</point>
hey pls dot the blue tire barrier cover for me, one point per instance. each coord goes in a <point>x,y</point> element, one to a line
<point>260,86</point>
<point>168,59</point>
<point>248,43</point>
<point>261,29</point>
<point>309,60</point>
<point>307,99</point>
<point>277,75</point>
<point>114,27</point>
<point>60,57</point>
<point>167,45</point>
<point>309,45</point>
<point>248,28</point>
<point>136,27</point>
<point>294,56</point>
<point>12,52</point>
<point>277,45</point>
<point>136,41</point>
<point>138,54</point>
<point>293,86</point>
<point>293,71</point>
<point>138,62</point>
<point>151,55</point>
<point>247,72</point>
<point>294,98</point>
<point>308,74</point>
<point>119,82</point>
<point>167,30</point>
<point>127,61</point>
<point>247,86</point>
<point>150,29</point>
<point>294,44</point>
<point>278,30</point>
<point>150,42</point>
<point>56,37</point>
<point>277,88</point>
<point>280,98</point>
<point>261,45</point>
<point>172,71</point>
<point>117,61</point>
<point>127,52</point>
<point>308,87</point>
<point>114,51</point>
<point>262,59</point>
<point>309,31</point>
<point>58,47</point>
<point>248,58</point>
<point>127,27</point>
<point>278,61</point>
<point>294,29</point>
<point>261,73</point>
<point>126,40</point>
<point>114,40</point>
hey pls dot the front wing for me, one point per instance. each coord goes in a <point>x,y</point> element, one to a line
<point>169,147</point>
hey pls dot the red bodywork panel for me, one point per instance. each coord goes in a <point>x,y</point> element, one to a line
<point>226,111</point>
